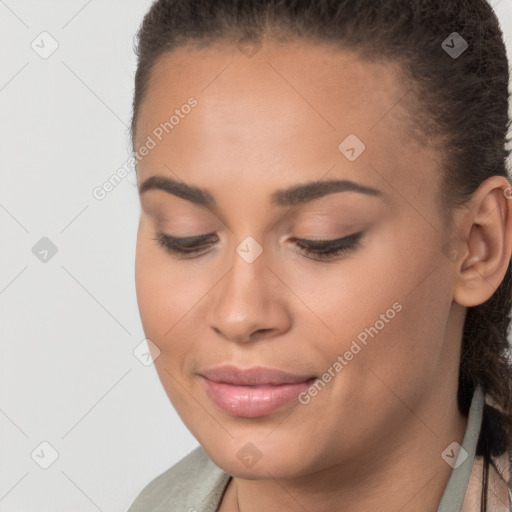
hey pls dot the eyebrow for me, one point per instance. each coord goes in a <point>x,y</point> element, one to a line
<point>297,194</point>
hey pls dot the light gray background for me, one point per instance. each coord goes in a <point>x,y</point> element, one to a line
<point>69,326</point>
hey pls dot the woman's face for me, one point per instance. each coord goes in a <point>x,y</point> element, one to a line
<point>375,323</point>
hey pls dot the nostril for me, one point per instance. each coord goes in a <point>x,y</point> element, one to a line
<point>261,333</point>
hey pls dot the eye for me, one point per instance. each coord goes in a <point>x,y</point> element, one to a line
<point>185,247</point>
<point>329,249</point>
<point>190,247</point>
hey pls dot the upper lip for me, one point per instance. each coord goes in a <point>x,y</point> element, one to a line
<point>254,376</point>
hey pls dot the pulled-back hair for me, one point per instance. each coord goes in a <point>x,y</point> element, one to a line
<point>459,105</point>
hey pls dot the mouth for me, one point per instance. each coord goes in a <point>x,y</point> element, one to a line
<point>252,392</point>
<point>254,376</point>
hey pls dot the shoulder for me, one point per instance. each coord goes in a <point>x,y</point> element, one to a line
<point>193,484</point>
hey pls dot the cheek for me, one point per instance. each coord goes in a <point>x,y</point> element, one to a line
<point>393,297</point>
<point>147,288</point>
<point>156,296</point>
<point>166,294</point>
<point>408,336</point>
<point>346,297</point>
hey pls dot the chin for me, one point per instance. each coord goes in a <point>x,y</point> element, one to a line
<point>256,460</point>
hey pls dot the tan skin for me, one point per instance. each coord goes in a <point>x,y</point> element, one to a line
<point>373,438</point>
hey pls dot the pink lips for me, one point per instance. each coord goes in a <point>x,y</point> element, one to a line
<point>254,391</point>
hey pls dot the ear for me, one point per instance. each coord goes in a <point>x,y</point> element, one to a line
<point>486,242</point>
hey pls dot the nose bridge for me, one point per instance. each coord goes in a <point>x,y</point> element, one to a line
<point>244,302</point>
<point>245,282</point>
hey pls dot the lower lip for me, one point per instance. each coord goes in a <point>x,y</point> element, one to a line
<point>253,401</point>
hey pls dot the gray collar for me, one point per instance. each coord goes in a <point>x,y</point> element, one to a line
<point>456,487</point>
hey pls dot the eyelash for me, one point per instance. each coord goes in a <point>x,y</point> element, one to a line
<point>183,248</point>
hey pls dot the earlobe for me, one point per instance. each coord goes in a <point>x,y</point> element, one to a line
<point>487,239</point>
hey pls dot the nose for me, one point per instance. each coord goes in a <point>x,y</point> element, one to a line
<point>249,303</point>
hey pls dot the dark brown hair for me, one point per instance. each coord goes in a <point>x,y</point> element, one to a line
<point>457,103</point>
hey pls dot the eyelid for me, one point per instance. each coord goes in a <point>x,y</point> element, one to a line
<point>190,239</point>
<point>323,250</point>
<point>323,241</point>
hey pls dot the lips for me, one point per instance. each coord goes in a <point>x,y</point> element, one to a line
<point>253,391</point>
<point>255,376</point>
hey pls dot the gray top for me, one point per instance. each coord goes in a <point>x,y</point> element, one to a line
<point>196,484</point>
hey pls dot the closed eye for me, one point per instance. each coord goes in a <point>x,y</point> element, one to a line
<point>329,248</point>
<point>190,247</point>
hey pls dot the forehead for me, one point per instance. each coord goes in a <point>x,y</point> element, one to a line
<point>311,81</point>
<point>284,110</point>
